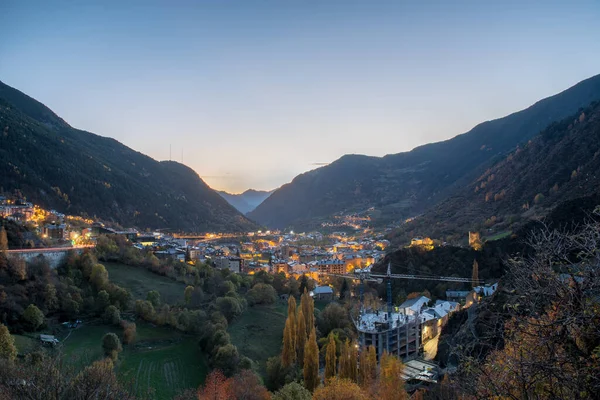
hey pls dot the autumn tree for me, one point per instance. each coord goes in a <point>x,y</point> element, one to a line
<point>8,349</point>
<point>475,273</point>
<point>343,365</point>
<point>99,276</point>
<point>549,325</point>
<point>129,331</point>
<point>353,362</point>
<point>247,386</point>
<point>300,336</point>
<point>308,310</point>
<point>390,385</point>
<point>368,367</point>
<point>330,358</point>
<point>216,387</point>
<point>154,298</point>
<point>3,239</point>
<point>288,353</point>
<point>311,361</point>
<point>340,389</point>
<point>292,317</point>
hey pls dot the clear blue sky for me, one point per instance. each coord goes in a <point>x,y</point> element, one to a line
<point>256,92</point>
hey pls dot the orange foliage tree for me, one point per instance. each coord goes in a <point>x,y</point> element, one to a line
<point>216,387</point>
<point>311,362</point>
<point>390,385</point>
<point>340,389</point>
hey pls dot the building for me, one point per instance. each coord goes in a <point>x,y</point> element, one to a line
<point>414,306</point>
<point>331,266</point>
<point>322,293</point>
<point>234,264</point>
<point>53,231</point>
<point>457,295</point>
<point>396,333</point>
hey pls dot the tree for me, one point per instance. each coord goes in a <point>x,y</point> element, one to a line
<point>330,358</point>
<point>50,298</point>
<point>288,353</point>
<point>548,325</point>
<point>292,317</point>
<point>261,293</point>
<point>390,385</point>
<point>8,349</point>
<point>99,276</point>
<point>111,345</point>
<point>226,359</point>
<point>229,307</point>
<point>300,336</point>
<point>353,362</point>
<point>144,309</point>
<point>97,381</point>
<point>154,298</point>
<point>333,317</point>
<point>344,290</point>
<point>188,255</point>
<point>187,294</point>
<point>112,315</point>
<point>340,389</point>
<point>368,367</point>
<point>216,387</point>
<point>311,362</point>
<point>475,273</point>
<point>3,239</point>
<point>292,391</point>
<point>33,317</point>
<point>247,386</point>
<point>308,310</point>
<point>129,331</point>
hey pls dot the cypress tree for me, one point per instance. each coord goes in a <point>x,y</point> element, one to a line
<point>311,362</point>
<point>330,358</point>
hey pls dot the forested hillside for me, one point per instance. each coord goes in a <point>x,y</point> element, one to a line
<point>81,173</point>
<point>406,184</point>
<point>560,164</point>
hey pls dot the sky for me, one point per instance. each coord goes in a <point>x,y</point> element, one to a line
<point>255,92</point>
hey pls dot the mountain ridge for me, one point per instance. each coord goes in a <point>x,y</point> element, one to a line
<point>405,184</point>
<point>81,173</point>
<point>246,201</point>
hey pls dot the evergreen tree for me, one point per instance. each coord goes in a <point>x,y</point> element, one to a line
<point>288,354</point>
<point>330,358</point>
<point>344,290</point>
<point>311,362</point>
<point>475,273</point>
<point>300,336</point>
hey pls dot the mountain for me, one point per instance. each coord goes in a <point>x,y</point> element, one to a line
<point>406,184</point>
<point>562,163</point>
<point>80,173</point>
<point>247,201</point>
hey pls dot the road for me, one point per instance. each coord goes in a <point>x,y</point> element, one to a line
<point>430,348</point>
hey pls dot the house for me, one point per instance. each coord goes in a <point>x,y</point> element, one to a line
<point>48,339</point>
<point>414,306</point>
<point>234,264</point>
<point>54,231</point>
<point>322,293</point>
<point>457,295</point>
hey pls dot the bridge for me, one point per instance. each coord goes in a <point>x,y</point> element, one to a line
<point>54,255</point>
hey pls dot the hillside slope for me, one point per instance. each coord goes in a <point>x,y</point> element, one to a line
<point>405,184</point>
<point>81,173</point>
<point>560,164</point>
<point>247,201</point>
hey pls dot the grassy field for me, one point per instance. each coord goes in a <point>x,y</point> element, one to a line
<point>162,361</point>
<point>25,344</point>
<point>140,281</point>
<point>259,331</point>
<point>498,236</point>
